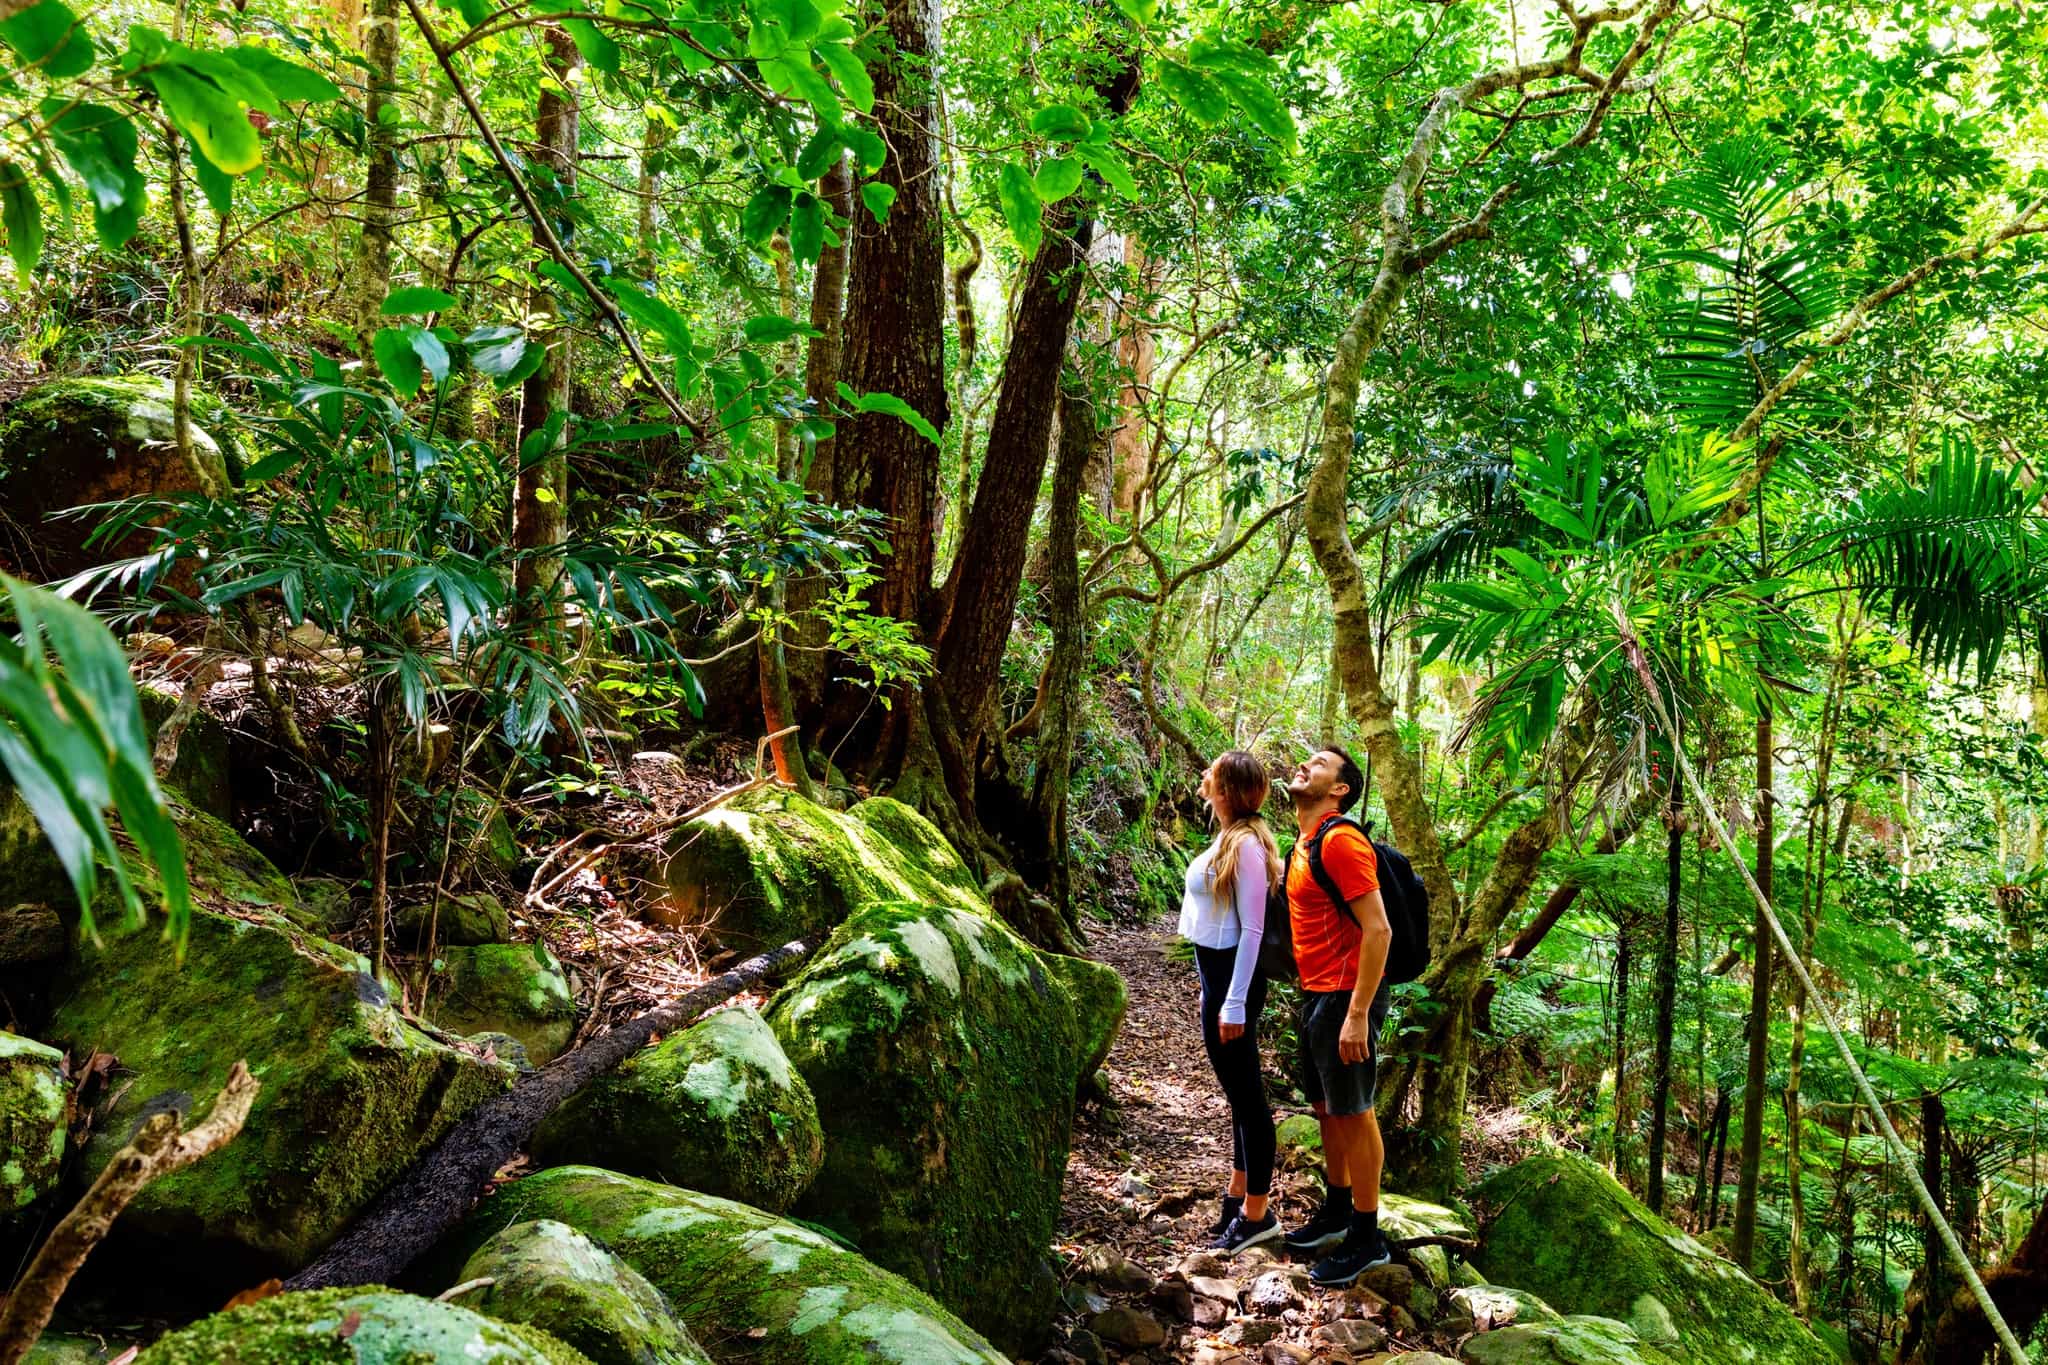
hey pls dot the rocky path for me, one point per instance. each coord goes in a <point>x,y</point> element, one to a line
<point>1140,1193</point>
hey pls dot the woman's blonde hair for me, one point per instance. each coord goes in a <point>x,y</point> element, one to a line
<point>1241,784</point>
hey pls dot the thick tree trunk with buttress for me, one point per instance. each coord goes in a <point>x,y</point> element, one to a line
<point>1742,1243</point>
<point>894,339</point>
<point>541,502</point>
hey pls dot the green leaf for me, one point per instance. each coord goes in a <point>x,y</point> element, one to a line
<point>893,406</point>
<point>49,38</point>
<point>879,199</point>
<point>1061,121</point>
<point>1199,94</point>
<point>819,154</point>
<point>289,81</point>
<point>398,360</point>
<point>1209,53</point>
<point>1139,12</point>
<point>1105,162</point>
<point>209,116</point>
<point>765,214</point>
<point>771,328</point>
<point>431,350</point>
<point>807,228</point>
<point>597,47</point>
<point>1021,207</point>
<point>867,147</point>
<point>415,299</point>
<point>501,352</point>
<point>794,75</point>
<point>1057,179</point>
<point>851,72</point>
<point>1255,97</point>
<point>22,216</point>
<point>218,187</point>
<point>651,313</point>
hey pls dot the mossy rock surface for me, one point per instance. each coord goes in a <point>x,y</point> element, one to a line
<point>1572,1341</point>
<point>772,866</point>
<point>469,918</point>
<point>548,1275</point>
<point>716,1107</point>
<point>352,1093</point>
<point>69,442</point>
<point>33,1104</point>
<point>1563,1229</point>
<point>728,1270</point>
<point>944,1052</point>
<point>512,988</point>
<point>75,1348</point>
<point>31,934</point>
<point>357,1327</point>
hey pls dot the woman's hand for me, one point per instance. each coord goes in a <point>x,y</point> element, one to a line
<point>1229,1033</point>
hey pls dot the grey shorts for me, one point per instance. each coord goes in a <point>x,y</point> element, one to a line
<point>1326,1079</point>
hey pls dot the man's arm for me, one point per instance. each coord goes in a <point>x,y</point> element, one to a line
<point>1354,1042</point>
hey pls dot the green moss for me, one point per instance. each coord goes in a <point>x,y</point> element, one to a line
<point>511,988</point>
<point>945,1052</point>
<point>716,1107</point>
<point>33,1109</point>
<point>470,917</point>
<point>202,771</point>
<point>75,1348</point>
<point>729,1270</point>
<point>1569,1341</point>
<point>772,866</point>
<point>550,1276</point>
<point>1562,1228</point>
<point>351,1091</point>
<point>357,1327</point>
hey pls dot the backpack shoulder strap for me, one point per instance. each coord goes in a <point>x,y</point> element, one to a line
<point>1322,875</point>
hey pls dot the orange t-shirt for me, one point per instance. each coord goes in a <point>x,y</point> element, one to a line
<point>1325,936</point>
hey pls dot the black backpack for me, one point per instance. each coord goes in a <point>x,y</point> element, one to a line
<point>1401,891</point>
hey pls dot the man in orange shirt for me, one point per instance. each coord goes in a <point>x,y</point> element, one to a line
<point>1341,952</point>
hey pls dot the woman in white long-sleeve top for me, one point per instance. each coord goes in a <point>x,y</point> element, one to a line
<point>1223,913</point>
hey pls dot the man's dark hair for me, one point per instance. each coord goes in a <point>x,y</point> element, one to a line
<point>1350,775</point>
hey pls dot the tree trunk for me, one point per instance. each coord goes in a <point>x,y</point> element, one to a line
<point>380,181</point>
<point>541,500</point>
<point>1952,1328</point>
<point>1077,446</point>
<point>981,594</point>
<point>1742,1244</point>
<point>1136,355</point>
<point>1624,1111</point>
<point>894,339</point>
<point>1667,988</point>
<point>1707,1199</point>
<point>778,709</point>
<point>1934,1256</point>
<point>828,318</point>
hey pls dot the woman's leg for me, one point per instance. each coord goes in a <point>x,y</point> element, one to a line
<point>1214,966</point>
<point>1253,1112</point>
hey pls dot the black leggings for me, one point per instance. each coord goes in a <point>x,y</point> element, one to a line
<point>1237,1068</point>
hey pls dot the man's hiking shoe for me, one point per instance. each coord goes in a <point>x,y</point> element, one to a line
<point>1232,1206</point>
<point>1325,1229</point>
<point>1244,1232</point>
<point>1349,1261</point>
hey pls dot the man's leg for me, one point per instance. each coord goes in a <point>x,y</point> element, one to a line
<point>1336,1152</point>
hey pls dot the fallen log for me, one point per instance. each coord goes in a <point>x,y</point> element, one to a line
<point>432,1197</point>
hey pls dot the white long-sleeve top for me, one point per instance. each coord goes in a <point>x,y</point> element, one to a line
<point>1210,921</point>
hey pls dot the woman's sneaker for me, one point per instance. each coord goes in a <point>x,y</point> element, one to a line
<point>1232,1206</point>
<point>1325,1229</point>
<point>1351,1260</point>
<point>1245,1232</point>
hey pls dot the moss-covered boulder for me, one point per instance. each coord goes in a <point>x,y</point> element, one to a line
<point>31,934</point>
<point>772,866</point>
<point>732,1272</point>
<point>1560,1227</point>
<point>512,988</point>
<point>469,918</point>
<point>1574,1341</point>
<point>548,1275</point>
<point>944,1052</point>
<point>33,1109</point>
<point>716,1107</point>
<point>351,1091</point>
<point>77,1348</point>
<point>357,1327</point>
<point>203,772</point>
<point>69,442</point>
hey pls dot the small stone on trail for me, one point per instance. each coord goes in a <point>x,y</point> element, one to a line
<point>1352,1334</point>
<point>1214,1287</point>
<point>1285,1353</point>
<point>1131,1185</point>
<point>1210,1313</point>
<point>1402,1321</point>
<point>1111,1269</point>
<point>1087,1348</point>
<point>1272,1293</point>
<point>1205,1263</point>
<point>1215,1353</point>
<point>1127,1327</point>
<point>1173,1298</point>
<point>1251,1332</point>
<point>1394,1283</point>
<point>1079,1298</point>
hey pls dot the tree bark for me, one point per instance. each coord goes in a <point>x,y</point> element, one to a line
<point>1934,1256</point>
<point>828,318</point>
<point>894,339</point>
<point>981,593</point>
<point>541,498</point>
<point>380,181</point>
<point>1137,353</point>
<point>414,1212</point>
<point>1708,1196</point>
<point>1667,989</point>
<point>1952,1328</point>
<point>778,707</point>
<point>1742,1243</point>
<point>1077,446</point>
<point>1624,1109</point>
